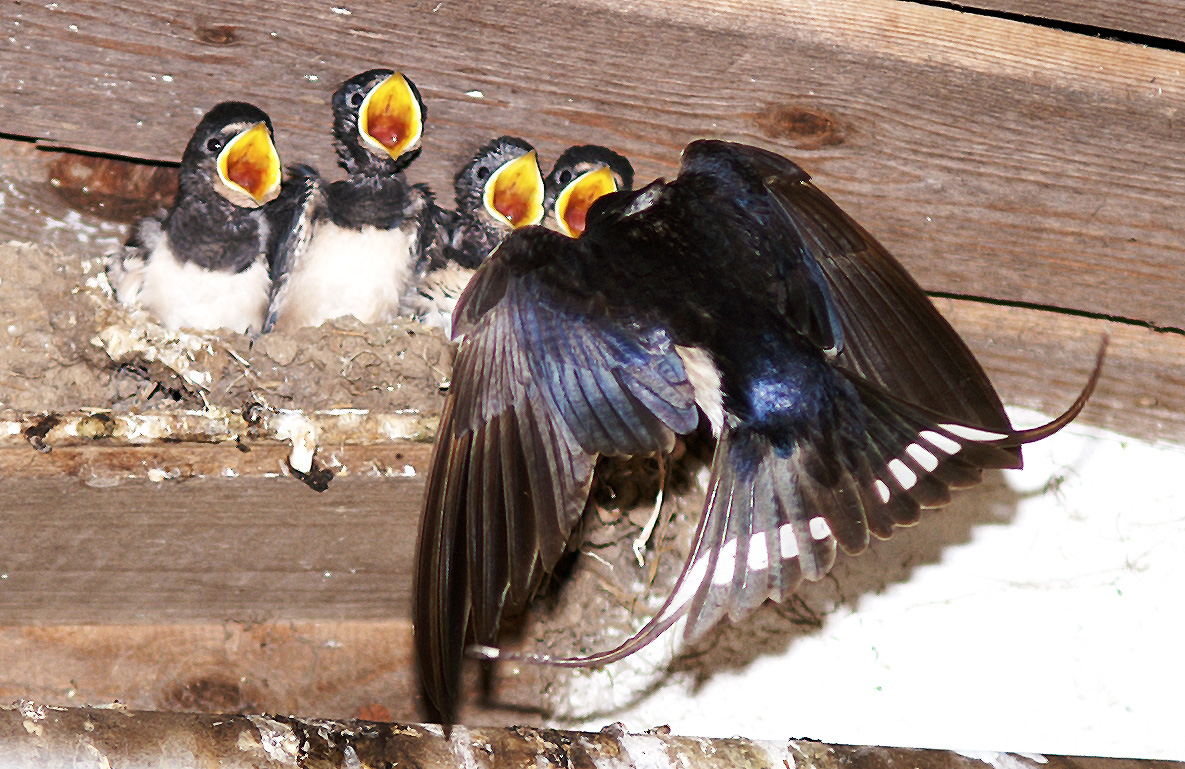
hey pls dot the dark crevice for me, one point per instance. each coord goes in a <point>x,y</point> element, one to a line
<point>18,138</point>
<point>49,145</point>
<point>1059,310</point>
<point>1090,30</point>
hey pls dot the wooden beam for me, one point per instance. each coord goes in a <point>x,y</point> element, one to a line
<point>993,157</point>
<point>101,533</point>
<point>1157,18</point>
<point>205,549</point>
<point>32,734</point>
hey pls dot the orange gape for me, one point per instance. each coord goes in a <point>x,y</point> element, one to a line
<point>513,201</point>
<point>250,161</point>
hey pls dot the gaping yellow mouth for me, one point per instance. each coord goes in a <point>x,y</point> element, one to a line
<point>571,207</point>
<point>249,163</point>
<point>390,119</point>
<point>514,193</point>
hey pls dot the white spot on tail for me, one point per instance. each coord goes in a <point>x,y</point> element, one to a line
<point>940,442</point>
<point>923,457</point>
<point>787,544</point>
<point>726,563</point>
<point>882,490</point>
<point>819,529</point>
<point>972,433</point>
<point>906,478</point>
<point>758,553</point>
<point>691,585</point>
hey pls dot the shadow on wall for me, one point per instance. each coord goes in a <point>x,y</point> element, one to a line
<point>773,629</point>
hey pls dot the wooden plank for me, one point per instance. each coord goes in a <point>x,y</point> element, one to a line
<point>92,539</point>
<point>251,549</point>
<point>1041,360</point>
<point>104,466</point>
<point>309,669</point>
<point>994,157</point>
<point>36,207</point>
<point>32,734</point>
<point>1159,18</point>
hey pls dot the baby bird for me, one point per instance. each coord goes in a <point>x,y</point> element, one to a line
<point>203,265</point>
<point>580,176</point>
<point>499,190</point>
<point>352,247</point>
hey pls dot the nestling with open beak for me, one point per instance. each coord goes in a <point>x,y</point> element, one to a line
<point>203,264</point>
<point>352,247</point>
<point>579,177</point>
<point>499,189</point>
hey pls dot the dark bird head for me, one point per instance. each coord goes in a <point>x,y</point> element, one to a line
<point>378,121</point>
<point>580,176</point>
<point>502,186</point>
<point>233,150</point>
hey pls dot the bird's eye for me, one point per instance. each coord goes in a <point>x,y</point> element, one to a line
<point>214,144</point>
<point>565,176</point>
<point>483,173</point>
<point>356,99</point>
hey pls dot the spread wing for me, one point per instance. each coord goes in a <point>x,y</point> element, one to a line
<point>544,382</point>
<point>774,515</point>
<point>892,334</point>
<point>292,217</point>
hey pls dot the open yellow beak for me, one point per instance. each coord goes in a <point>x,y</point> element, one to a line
<point>514,193</point>
<point>390,119</point>
<point>571,207</point>
<point>249,163</point>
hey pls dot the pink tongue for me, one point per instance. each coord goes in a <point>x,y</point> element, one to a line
<point>385,131</point>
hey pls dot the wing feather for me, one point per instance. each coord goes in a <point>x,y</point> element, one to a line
<point>541,388</point>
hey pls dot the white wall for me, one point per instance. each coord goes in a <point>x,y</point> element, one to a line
<point>1041,612</point>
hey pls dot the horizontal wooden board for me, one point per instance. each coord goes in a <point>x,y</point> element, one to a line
<point>996,158</point>
<point>91,539</point>
<point>32,734</point>
<point>1157,18</point>
<point>248,549</point>
<point>311,669</point>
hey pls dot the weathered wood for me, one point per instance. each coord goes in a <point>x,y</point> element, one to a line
<point>92,538</point>
<point>33,735</point>
<point>994,157</point>
<point>104,466</point>
<point>1041,359</point>
<point>311,669</point>
<point>252,549</point>
<point>1158,18</point>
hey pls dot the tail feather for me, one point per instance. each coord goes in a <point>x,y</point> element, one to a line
<point>768,523</point>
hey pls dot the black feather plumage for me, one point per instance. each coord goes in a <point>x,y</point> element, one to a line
<point>737,288</point>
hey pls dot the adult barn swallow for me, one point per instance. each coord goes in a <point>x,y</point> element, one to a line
<point>203,265</point>
<point>737,290</point>
<point>499,189</point>
<point>581,175</point>
<point>351,247</point>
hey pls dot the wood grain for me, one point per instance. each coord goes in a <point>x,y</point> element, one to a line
<point>1159,18</point>
<point>996,158</point>
<point>308,669</point>
<point>68,738</point>
<point>249,549</point>
<point>90,539</point>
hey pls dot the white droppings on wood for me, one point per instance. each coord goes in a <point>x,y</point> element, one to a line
<point>999,760</point>
<point>277,741</point>
<point>294,426</point>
